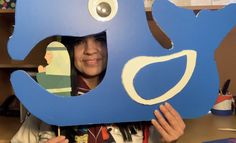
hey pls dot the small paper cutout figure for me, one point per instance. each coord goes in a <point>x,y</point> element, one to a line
<point>55,77</point>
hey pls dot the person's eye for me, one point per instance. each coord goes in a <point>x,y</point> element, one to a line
<point>103,10</point>
<point>80,42</point>
<point>99,39</point>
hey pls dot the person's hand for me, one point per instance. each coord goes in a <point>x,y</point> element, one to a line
<point>58,139</point>
<point>171,126</point>
<point>41,69</point>
<point>148,5</point>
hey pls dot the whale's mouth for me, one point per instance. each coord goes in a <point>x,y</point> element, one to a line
<point>133,66</point>
<point>59,75</point>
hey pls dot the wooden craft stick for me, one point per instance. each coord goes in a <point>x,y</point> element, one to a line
<point>227,129</point>
<point>58,131</point>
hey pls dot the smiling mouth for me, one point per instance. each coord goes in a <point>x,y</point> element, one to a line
<point>92,62</point>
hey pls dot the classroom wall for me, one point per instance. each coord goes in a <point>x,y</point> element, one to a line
<point>226,63</point>
<point>201,2</point>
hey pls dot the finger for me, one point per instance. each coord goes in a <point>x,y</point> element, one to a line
<point>176,115</point>
<point>175,120</point>
<point>59,139</point>
<point>168,133</point>
<point>159,128</point>
<point>66,141</point>
<point>173,123</point>
<point>162,121</point>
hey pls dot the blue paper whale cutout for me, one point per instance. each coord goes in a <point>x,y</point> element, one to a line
<point>128,37</point>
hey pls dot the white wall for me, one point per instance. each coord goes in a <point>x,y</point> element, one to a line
<point>202,2</point>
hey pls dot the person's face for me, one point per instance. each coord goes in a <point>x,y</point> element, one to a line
<point>90,57</point>
<point>48,57</point>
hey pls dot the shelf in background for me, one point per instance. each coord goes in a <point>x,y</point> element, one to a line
<point>7,11</point>
<point>18,66</point>
<point>9,126</point>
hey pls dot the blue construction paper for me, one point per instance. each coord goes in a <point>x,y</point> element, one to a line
<point>128,38</point>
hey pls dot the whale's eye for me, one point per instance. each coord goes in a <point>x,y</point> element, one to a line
<point>103,10</point>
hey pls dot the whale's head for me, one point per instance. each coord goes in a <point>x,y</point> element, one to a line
<point>140,73</point>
